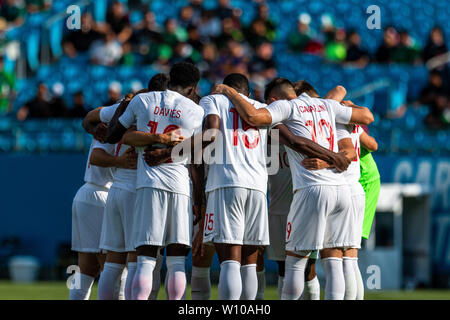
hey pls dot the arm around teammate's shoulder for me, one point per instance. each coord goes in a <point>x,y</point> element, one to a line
<point>368,142</point>
<point>360,115</point>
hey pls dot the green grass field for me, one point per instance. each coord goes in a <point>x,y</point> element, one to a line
<point>58,291</point>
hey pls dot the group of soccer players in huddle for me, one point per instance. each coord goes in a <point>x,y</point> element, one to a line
<point>168,171</point>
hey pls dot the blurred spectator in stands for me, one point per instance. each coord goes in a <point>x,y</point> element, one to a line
<point>386,51</point>
<point>224,10</point>
<point>304,38</point>
<point>436,96</point>
<point>257,33</point>
<point>407,50</point>
<point>128,57</point>
<point>232,59</point>
<point>7,88</point>
<point>264,15</point>
<point>12,11</point>
<point>37,5</point>
<point>194,38</point>
<point>435,46</point>
<point>355,54</point>
<point>57,106</point>
<point>209,25</point>
<point>79,41</point>
<point>336,49</point>
<point>118,20</point>
<point>185,52</point>
<point>229,32</point>
<point>197,7</point>
<point>146,37</point>
<point>328,29</point>
<point>106,52</point>
<point>206,65</point>
<point>186,17</point>
<point>262,65</point>
<point>38,107</point>
<point>173,33</point>
<point>114,93</point>
<point>79,109</point>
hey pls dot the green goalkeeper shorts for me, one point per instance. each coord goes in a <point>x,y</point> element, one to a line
<point>372,191</point>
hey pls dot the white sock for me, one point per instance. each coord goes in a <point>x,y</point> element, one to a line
<point>156,278</point>
<point>119,289</point>
<point>130,276</point>
<point>261,285</point>
<point>200,283</point>
<point>312,289</point>
<point>335,282</point>
<point>108,279</point>
<point>176,277</point>
<point>81,287</point>
<point>249,282</point>
<point>359,281</point>
<point>143,278</point>
<point>280,286</point>
<point>294,278</point>
<point>350,279</point>
<point>230,282</point>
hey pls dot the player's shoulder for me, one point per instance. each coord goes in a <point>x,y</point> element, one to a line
<point>257,104</point>
<point>218,99</point>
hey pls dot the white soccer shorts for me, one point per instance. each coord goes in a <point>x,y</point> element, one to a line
<point>162,218</point>
<point>358,204</point>
<point>236,216</point>
<point>277,232</point>
<point>87,215</point>
<point>319,218</point>
<point>117,228</point>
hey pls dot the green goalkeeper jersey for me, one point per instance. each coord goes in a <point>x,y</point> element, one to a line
<point>369,169</point>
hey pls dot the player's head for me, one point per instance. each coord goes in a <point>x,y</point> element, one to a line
<point>305,87</point>
<point>184,77</point>
<point>279,89</point>
<point>239,82</point>
<point>159,82</point>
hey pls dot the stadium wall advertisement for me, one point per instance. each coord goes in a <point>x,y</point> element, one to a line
<point>38,210</point>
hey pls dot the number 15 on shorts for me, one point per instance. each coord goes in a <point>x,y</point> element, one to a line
<point>209,223</point>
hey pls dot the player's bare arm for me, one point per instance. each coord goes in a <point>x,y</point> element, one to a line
<point>360,115</point>
<point>198,178</point>
<point>100,158</point>
<point>368,142</point>
<point>116,130</point>
<point>338,93</point>
<point>311,149</point>
<point>251,115</point>
<point>346,150</point>
<point>93,125</point>
<point>143,139</point>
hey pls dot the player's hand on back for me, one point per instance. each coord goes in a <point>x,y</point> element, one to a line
<point>221,89</point>
<point>128,160</point>
<point>341,162</point>
<point>315,164</point>
<point>100,132</point>
<point>172,138</point>
<point>348,103</point>
<point>154,157</point>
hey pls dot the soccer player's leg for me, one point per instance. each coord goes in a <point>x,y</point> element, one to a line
<point>260,273</point>
<point>312,285</point>
<point>157,276</point>
<point>256,230</point>
<point>200,278</point>
<point>372,191</point>
<point>230,281</point>
<point>338,223</point>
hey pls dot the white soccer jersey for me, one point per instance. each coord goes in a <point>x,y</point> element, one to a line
<point>97,175</point>
<point>353,173</point>
<point>314,119</point>
<point>280,186</point>
<point>123,178</point>
<point>239,157</point>
<point>161,112</point>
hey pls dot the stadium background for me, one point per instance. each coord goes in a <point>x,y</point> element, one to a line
<point>43,152</point>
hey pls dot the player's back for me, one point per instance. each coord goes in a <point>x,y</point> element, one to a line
<point>280,186</point>
<point>161,112</point>
<point>239,158</point>
<point>314,119</point>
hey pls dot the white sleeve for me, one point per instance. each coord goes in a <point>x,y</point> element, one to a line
<point>128,118</point>
<point>280,111</point>
<point>209,105</point>
<point>343,114</point>
<point>342,131</point>
<point>107,113</point>
<point>109,148</point>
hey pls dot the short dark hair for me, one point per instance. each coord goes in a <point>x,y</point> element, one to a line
<point>159,82</point>
<point>275,84</point>
<point>239,82</point>
<point>184,74</point>
<point>305,87</point>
